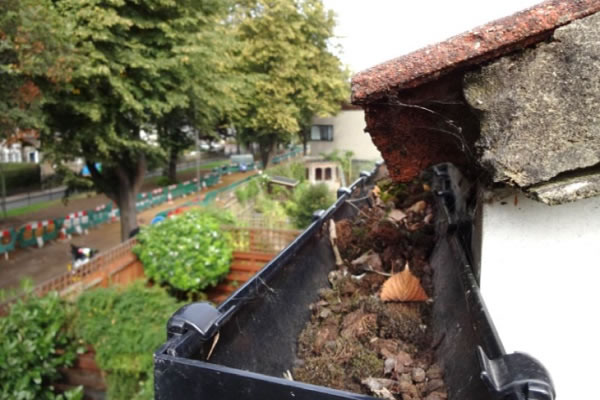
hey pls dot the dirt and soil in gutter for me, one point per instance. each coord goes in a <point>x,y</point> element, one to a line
<point>367,334</point>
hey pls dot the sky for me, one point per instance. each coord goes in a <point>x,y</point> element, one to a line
<point>373,31</point>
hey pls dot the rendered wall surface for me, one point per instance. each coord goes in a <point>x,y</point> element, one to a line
<point>348,134</point>
<point>540,269</point>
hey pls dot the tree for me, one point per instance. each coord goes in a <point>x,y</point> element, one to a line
<point>175,134</point>
<point>324,84</point>
<point>133,69</point>
<point>289,73</point>
<point>210,99</point>
<point>33,46</point>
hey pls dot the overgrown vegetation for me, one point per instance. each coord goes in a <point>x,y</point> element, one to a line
<point>248,192</point>
<point>188,252</point>
<point>32,333</point>
<point>279,203</point>
<point>125,325</point>
<point>293,170</point>
<point>21,176</point>
<point>306,200</point>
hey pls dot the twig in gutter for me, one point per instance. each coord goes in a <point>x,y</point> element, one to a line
<point>377,272</point>
<point>357,209</point>
<point>288,375</point>
<point>212,347</point>
<point>333,240</point>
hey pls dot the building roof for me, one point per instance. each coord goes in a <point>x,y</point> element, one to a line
<point>283,181</point>
<point>478,45</point>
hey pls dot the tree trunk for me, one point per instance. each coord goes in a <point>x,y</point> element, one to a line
<point>172,167</point>
<point>121,184</point>
<point>305,136</point>
<point>265,152</point>
<point>126,201</point>
<point>3,187</point>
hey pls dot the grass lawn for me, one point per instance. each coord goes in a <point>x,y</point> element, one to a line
<point>40,206</point>
<point>15,212</point>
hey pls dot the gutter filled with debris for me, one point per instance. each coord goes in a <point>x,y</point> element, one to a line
<point>376,298</point>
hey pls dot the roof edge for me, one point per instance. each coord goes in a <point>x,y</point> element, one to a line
<point>480,44</point>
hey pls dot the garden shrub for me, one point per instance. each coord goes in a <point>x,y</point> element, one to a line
<point>306,200</point>
<point>125,325</point>
<point>271,209</point>
<point>223,217</point>
<point>188,252</point>
<point>163,181</point>
<point>31,334</point>
<point>248,191</point>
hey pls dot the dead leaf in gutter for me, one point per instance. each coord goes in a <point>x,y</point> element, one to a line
<point>379,387</point>
<point>376,191</point>
<point>418,207</point>
<point>396,215</point>
<point>369,261</point>
<point>403,286</point>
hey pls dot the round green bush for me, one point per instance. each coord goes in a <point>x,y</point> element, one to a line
<point>188,252</point>
<point>306,200</point>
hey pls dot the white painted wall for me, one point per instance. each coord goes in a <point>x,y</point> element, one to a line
<point>348,134</point>
<point>334,183</point>
<point>540,277</point>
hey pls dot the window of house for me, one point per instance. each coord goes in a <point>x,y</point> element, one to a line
<point>318,174</point>
<point>307,172</point>
<point>322,133</point>
<point>327,174</point>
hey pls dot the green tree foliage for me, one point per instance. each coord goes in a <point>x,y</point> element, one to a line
<point>33,46</point>
<point>210,97</point>
<point>187,252</point>
<point>324,84</point>
<point>134,67</point>
<point>32,332</point>
<point>306,200</point>
<point>125,325</point>
<point>288,72</point>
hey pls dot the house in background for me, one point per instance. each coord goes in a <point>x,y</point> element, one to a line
<point>21,148</point>
<point>327,172</point>
<point>342,132</point>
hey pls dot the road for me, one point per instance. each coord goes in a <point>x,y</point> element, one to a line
<point>50,261</point>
